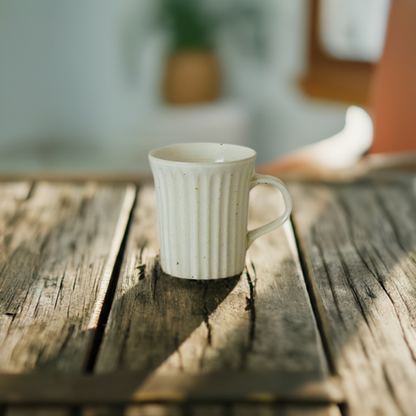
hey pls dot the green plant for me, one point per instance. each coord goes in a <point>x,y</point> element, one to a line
<point>190,27</point>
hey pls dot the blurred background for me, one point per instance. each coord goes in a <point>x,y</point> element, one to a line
<point>91,86</point>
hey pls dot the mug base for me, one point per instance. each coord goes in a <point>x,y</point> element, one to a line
<point>204,278</point>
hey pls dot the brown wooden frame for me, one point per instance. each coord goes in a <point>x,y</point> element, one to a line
<point>331,78</point>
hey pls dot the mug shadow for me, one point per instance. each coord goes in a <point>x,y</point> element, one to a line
<point>156,316</point>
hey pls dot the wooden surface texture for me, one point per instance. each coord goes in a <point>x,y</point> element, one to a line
<point>258,322</point>
<point>323,314</point>
<point>167,325</point>
<point>358,244</point>
<point>58,248</point>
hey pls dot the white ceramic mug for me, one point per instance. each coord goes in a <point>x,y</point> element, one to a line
<point>202,192</point>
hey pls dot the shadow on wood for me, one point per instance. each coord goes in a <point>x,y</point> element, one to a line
<point>156,316</point>
<point>191,337</point>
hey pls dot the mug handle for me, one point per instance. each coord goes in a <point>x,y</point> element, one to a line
<point>270,180</point>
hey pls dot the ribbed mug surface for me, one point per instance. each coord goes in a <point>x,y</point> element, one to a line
<point>202,192</point>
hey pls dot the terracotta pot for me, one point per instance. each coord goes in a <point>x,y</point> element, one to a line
<point>192,77</point>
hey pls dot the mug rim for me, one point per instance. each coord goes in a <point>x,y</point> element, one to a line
<point>153,154</point>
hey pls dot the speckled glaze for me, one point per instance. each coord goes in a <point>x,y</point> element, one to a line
<point>202,192</point>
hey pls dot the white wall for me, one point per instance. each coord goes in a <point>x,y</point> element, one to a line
<point>85,75</point>
<point>75,70</point>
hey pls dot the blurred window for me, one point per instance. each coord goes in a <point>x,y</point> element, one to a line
<point>353,29</point>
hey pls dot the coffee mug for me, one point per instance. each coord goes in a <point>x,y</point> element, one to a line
<point>202,195</point>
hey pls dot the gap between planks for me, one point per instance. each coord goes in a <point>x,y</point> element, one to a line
<point>315,300</point>
<point>108,291</point>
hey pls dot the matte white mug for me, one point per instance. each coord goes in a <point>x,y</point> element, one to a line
<point>202,192</point>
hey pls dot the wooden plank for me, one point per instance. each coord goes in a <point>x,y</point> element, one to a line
<point>207,410</point>
<point>143,410</point>
<point>39,411</point>
<point>187,410</point>
<point>122,388</point>
<point>102,411</point>
<point>210,410</point>
<point>259,322</point>
<point>58,248</point>
<point>154,410</point>
<point>285,410</point>
<point>217,410</point>
<point>157,410</point>
<point>359,247</point>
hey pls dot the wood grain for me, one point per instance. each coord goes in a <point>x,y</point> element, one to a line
<point>359,247</point>
<point>143,410</point>
<point>282,410</point>
<point>258,322</point>
<point>122,388</point>
<point>39,411</point>
<point>217,410</point>
<point>58,247</point>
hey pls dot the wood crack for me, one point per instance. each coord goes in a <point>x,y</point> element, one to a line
<point>206,316</point>
<point>77,274</point>
<point>251,307</point>
<point>156,270</point>
<point>59,289</point>
<point>35,312</point>
<point>141,252</point>
<point>30,192</point>
<point>142,271</point>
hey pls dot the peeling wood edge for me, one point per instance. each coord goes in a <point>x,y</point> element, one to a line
<point>114,250</point>
<point>110,278</point>
<point>95,342</point>
<point>133,388</point>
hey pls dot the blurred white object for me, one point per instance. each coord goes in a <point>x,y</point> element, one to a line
<point>353,29</point>
<point>346,147</point>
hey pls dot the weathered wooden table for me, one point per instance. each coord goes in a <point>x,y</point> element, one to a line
<point>322,322</point>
